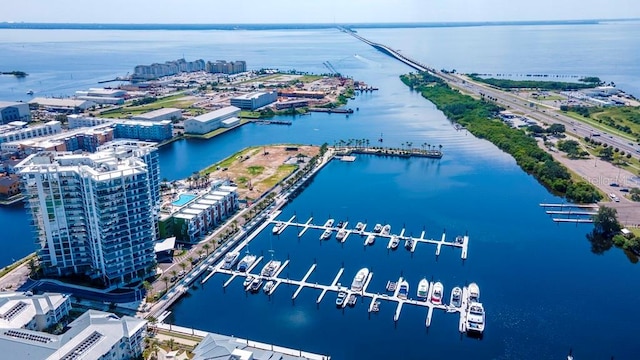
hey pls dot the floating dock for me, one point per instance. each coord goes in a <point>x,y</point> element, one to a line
<point>352,296</point>
<point>463,245</point>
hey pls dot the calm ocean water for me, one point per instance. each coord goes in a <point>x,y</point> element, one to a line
<point>541,285</point>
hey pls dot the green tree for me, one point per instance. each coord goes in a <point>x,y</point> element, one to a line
<point>556,129</point>
<point>606,222</point>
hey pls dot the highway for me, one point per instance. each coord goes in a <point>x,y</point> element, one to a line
<point>538,111</point>
<point>541,112</point>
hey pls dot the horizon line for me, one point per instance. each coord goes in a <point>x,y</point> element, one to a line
<point>23,24</point>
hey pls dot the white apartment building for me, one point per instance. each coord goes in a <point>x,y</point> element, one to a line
<point>95,335</point>
<point>19,310</point>
<point>94,214</point>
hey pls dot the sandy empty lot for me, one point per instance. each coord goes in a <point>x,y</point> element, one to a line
<point>257,169</point>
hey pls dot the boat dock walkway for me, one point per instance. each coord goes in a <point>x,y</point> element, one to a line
<point>461,242</point>
<point>335,286</point>
<point>572,213</point>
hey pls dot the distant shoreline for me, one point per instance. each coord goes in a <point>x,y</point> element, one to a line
<point>89,26</point>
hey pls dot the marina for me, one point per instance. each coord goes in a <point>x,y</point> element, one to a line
<point>343,233</point>
<point>359,289</point>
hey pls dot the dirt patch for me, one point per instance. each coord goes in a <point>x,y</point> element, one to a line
<point>257,169</point>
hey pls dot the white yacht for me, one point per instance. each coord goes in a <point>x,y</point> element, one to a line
<point>423,289</point>
<point>230,260</point>
<point>270,268</point>
<point>268,286</point>
<point>341,234</point>
<point>436,295</point>
<point>359,226</point>
<point>247,281</point>
<point>255,285</point>
<point>277,227</point>
<point>329,223</point>
<point>475,317</point>
<point>246,262</point>
<point>403,290</point>
<point>474,292</point>
<point>385,229</point>
<point>370,240</point>
<point>359,279</point>
<point>377,228</point>
<point>393,243</point>
<point>456,297</point>
<point>326,234</point>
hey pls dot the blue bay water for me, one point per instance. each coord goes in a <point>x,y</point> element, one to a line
<point>542,286</point>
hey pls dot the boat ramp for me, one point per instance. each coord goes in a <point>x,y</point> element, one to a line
<point>390,294</point>
<point>461,242</point>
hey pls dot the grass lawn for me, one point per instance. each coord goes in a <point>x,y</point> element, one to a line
<point>599,126</point>
<point>173,101</point>
<point>228,161</point>
<point>282,172</point>
<point>309,78</point>
<point>255,170</point>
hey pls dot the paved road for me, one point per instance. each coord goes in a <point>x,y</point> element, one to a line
<point>542,112</point>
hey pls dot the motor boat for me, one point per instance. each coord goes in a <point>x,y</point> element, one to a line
<point>268,286</point>
<point>277,227</point>
<point>394,242</point>
<point>403,290</point>
<point>247,281</point>
<point>370,240</point>
<point>456,297</point>
<point>408,244</point>
<point>230,260</point>
<point>385,230</point>
<point>326,234</point>
<point>255,285</point>
<point>246,262</point>
<point>342,233</point>
<point>423,289</point>
<point>359,279</point>
<point>377,228</point>
<point>270,268</point>
<point>475,318</point>
<point>474,292</point>
<point>342,297</point>
<point>436,295</point>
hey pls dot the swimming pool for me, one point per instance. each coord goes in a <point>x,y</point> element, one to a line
<point>183,199</point>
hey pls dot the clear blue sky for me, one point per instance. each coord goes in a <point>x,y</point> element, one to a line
<point>311,11</point>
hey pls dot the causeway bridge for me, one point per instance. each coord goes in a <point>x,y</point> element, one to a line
<point>391,52</point>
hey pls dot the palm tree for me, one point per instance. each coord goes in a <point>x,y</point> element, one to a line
<point>174,273</point>
<point>171,343</point>
<point>200,252</point>
<point>191,260</point>
<point>206,247</point>
<point>166,282</point>
<point>183,265</point>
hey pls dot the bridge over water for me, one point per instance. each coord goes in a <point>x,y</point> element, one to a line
<point>389,51</point>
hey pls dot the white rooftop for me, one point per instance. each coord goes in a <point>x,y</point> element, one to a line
<point>220,113</point>
<point>158,112</point>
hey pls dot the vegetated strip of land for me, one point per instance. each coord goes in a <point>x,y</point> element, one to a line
<point>585,83</point>
<point>625,119</point>
<point>479,117</point>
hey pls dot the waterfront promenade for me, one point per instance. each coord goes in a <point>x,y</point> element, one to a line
<point>245,234</point>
